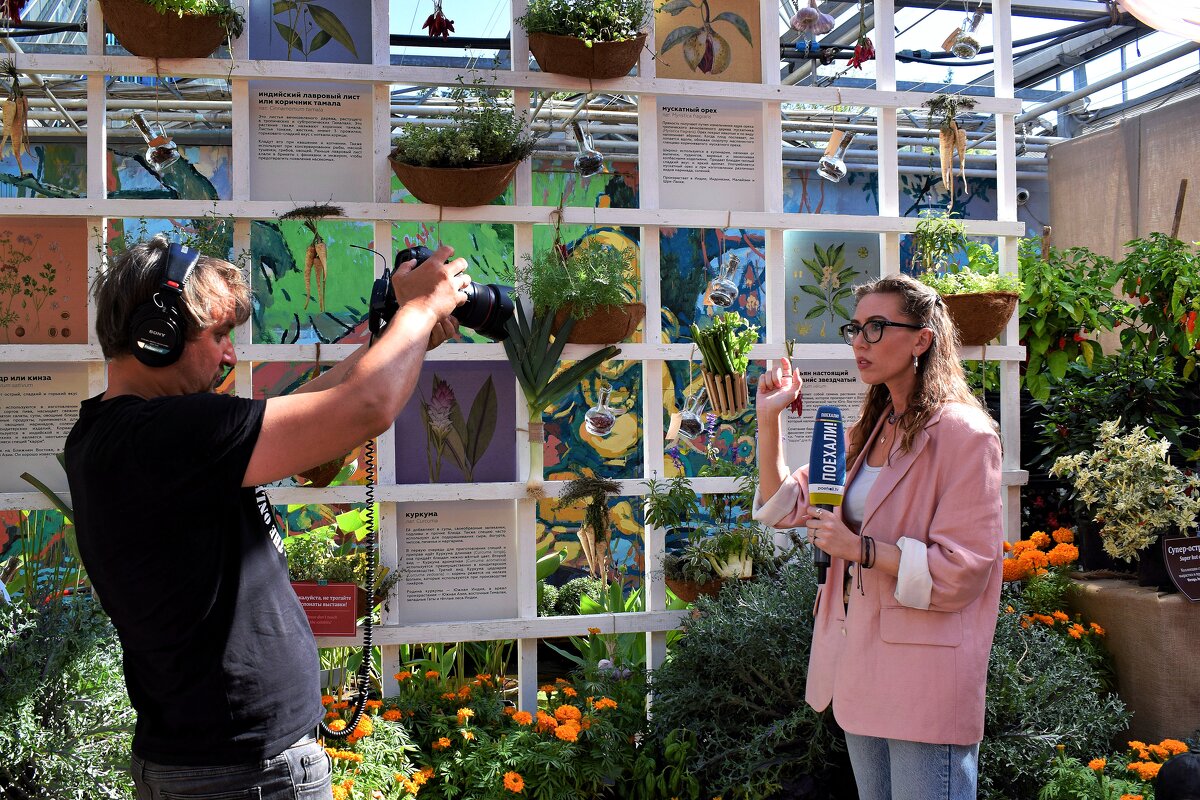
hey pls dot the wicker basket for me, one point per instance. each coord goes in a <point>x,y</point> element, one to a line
<point>981,317</point>
<point>727,394</point>
<point>455,186</point>
<point>566,55</point>
<point>606,325</point>
<point>144,32</point>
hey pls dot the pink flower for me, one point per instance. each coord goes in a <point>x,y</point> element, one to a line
<point>441,404</point>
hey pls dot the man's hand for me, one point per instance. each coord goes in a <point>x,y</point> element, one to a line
<point>438,285</point>
<point>444,330</point>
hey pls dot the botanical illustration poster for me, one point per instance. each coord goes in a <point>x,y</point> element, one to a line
<point>43,281</point>
<point>821,269</point>
<point>712,153</point>
<point>708,40</point>
<point>38,405</point>
<point>310,142</point>
<point>457,561</point>
<point>458,426</point>
<point>332,31</point>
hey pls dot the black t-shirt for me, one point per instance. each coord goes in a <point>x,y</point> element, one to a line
<point>220,662</point>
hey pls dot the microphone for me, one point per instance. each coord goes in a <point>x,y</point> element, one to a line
<point>826,471</point>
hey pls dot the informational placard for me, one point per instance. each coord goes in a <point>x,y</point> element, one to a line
<point>310,142</point>
<point>1182,557</point>
<point>38,405</point>
<point>834,382</point>
<point>712,153</point>
<point>457,561</point>
<point>330,607</point>
<point>821,269</point>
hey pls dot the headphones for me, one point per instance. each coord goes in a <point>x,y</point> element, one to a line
<point>158,329</point>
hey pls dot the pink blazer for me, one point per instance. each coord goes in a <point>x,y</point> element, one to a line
<point>904,673</point>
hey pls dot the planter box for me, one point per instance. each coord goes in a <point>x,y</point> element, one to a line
<point>460,187</point>
<point>566,55</point>
<point>1152,638</point>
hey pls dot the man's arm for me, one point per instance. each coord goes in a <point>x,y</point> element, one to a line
<point>359,398</point>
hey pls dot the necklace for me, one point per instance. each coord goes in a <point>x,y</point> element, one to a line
<point>892,419</point>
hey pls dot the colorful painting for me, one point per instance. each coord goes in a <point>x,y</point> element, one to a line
<point>821,270</point>
<point>689,259</point>
<point>459,426</point>
<point>708,40</point>
<point>43,281</point>
<point>335,31</point>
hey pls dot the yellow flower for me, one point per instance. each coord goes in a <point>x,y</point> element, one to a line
<point>464,714</point>
<point>514,782</point>
<point>441,744</point>
<point>1097,764</point>
<point>337,725</point>
<point>365,727</point>
<point>468,736</point>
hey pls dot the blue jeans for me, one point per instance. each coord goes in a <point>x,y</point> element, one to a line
<point>893,769</point>
<point>302,772</point>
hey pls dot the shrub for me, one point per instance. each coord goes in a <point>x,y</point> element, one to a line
<point>591,20</point>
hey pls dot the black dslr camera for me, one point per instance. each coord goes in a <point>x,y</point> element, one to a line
<point>486,310</point>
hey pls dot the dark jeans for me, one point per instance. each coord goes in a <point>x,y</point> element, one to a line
<point>302,772</point>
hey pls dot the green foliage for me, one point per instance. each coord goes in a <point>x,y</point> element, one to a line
<point>671,503</point>
<point>663,769</point>
<point>720,553</point>
<point>592,21</point>
<point>483,130</point>
<point>937,238</point>
<point>331,553</point>
<point>1066,298</point>
<point>231,17</point>
<point>725,344</point>
<point>964,280</point>
<point>565,600</point>
<point>1042,691</point>
<point>944,108</point>
<point>735,680</point>
<point>1071,779</point>
<point>593,275</point>
<point>1164,273</point>
<point>65,720</point>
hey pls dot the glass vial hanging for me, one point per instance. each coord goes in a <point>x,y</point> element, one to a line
<point>161,152</point>
<point>722,290</point>
<point>600,418</point>
<point>691,418</point>
<point>589,161</point>
<point>966,45</point>
<point>832,166</point>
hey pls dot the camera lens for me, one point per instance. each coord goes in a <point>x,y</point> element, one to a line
<point>487,307</point>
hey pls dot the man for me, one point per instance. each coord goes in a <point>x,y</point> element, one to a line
<point>181,546</point>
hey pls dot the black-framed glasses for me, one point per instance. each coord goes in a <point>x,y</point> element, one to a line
<point>872,330</point>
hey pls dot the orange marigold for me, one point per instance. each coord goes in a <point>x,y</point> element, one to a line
<point>1146,770</point>
<point>402,676</point>
<point>1096,629</point>
<point>468,735</point>
<point>449,696</point>
<point>1063,536</point>
<point>1022,546</point>
<point>326,699</point>
<point>547,688</point>
<point>1036,559</point>
<point>568,733</point>
<point>332,715</point>
<point>593,631</point>
<point>365,727</point>
<point>464,714</point>
<point>433,673</point>
<point>1131,797</point>
<point>603,703</point>
<point>569,692</point>
<point>1061,616</point>
<point>566,712</point>
<point>1039,539</point>
<point>1097,764</point>
<point>1174,746</point>
<point>441,744</point>
<point>1158,751</point>
<point>1076,631</point>
<point>337,725</point>
<point>1007,546</point>
<point>393,715</point>
<point>514,782</point>
<point>339,705</point>
<point>545,722</point>
<point>523,718</point>
<point>1063,554</point>
<point>1015,570</point>
<point>1143,752</point>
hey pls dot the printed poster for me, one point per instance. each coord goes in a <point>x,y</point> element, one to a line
<point>832,382</point>
<point>821,269</point>
<point>43,281</point>
<point>333,31</point>
<point>39,404</point>
<point>708,40</point>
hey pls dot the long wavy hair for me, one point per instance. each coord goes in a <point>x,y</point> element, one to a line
<point>940,377</point>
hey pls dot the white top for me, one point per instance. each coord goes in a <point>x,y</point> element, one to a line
<point>854,505</point>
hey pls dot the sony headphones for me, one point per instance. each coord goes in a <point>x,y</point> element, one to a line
<point>159,329</point>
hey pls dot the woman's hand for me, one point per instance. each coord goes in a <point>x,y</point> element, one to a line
<point>829,534</point>
<point>777,388</point>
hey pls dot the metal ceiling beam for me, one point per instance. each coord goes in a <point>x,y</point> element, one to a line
<point>1046,9</point>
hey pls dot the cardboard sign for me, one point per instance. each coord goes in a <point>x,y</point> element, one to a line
<point>330,607</point>
<point>1182,557</point>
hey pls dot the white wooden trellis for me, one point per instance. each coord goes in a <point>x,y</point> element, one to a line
<point>96,208</point>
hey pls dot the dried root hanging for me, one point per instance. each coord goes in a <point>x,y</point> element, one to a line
<point>14,115</point>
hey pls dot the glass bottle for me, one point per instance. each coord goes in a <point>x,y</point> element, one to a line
<point>722,290</point>
<point>691,421</point>
<point>600,418</point>
<point>832,167</point>
<point>589,161</point>
<point>965,44</point>
<point>161,152</point>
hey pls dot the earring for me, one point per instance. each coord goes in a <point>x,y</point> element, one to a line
<point>916,363</point>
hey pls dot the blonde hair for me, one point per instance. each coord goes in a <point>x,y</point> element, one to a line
<point>939,378</point>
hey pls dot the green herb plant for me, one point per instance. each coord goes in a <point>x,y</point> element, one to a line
<point>725,344</point>
<point>1163,274</point>
<point>483,129</point>
<point>317,555</point>
<point>593,21</point>
<point>938,237</point>
<point>231,17</point>
<point>593,275</point>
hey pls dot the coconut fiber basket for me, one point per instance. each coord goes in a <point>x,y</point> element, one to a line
<point>606,325</point>
<point>144,32</point>
<point>566,55</point>
<point>455,186</point>
<point>981,317</point>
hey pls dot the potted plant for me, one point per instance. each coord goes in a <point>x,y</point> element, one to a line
<point>938,237</point>
<point>317,557</point>
<point>1134,493</point>
<point>469,162</point>
<point>593,282</point>
<point>725,351</point>
<point>586,38</point>
<point>172,28</point>
<point>595,532</point>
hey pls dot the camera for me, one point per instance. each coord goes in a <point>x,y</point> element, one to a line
<point>1022,195</point>
<point>487,309</point>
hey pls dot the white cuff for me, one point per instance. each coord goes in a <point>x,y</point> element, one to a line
<point>780,505</point>
<point>914,586</point>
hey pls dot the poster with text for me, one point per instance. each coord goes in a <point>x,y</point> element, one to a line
<point>38,405</point>
<point>310,142</point>
<point>458,426</point>
<point>43,281</point>
<point>299,30</point>
<point>821,269</point>
<point>712,153</point>
<point>832,382</point>
<point>708,40</point>
<point>457,561</point>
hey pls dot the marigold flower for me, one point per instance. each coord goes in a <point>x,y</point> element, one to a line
<point>562,682</point>
<point>547,688</point>
<point>464,714</point>
<point>441,744</point>
<point>393,715</point>
<point>1061,616</point>
<point>1076,631</point>
<point>341,793</point>
<point>593,631</point>
<point>1096,629</point>
<point>1063,536</point>
<point>1158,751</point>
<point>1035,559</point>
<point>586,723</point>
<point>365,727</point>
<point>1140,749</point>
<point>545,722</point>
<point>373,705</point>
<point>1145,770</point>
<point>568,733</point>
<point>566,712</point>
<point>1097,764</point>
<point>1007,546</point>
<point>510,710</point>
<point>468,735</point>
<point>464,692</point>
<point>1015,570</point>
<point>1009,610</point>
<point>449,696</point>
<point>337,725</point>
<point>1173,746</point>
<point>341,704</point>
<point>1063,554</point>
<point>523,718</point>
<point>570,692</point>
<point>603,703</point>
<point>332,715</point>
<point>402,676</point>
<point>1021,547</point>
<point>1131,797</point>
<point>514,782</point>
<point>326,699</point>
<point>1039,539</point>
<point>433,673</point>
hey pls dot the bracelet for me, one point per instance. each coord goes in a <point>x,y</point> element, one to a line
<point>866,552</point>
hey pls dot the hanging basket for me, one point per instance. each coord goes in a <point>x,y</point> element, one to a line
<point>145,32</point>
<point>606,325</point>
<point>566,55</point>
<point>688,591</point>
<point>981,317</point>
<point>727,394</point>
<point>455,186</point>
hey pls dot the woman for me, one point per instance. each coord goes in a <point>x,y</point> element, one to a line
<point>905,620</point>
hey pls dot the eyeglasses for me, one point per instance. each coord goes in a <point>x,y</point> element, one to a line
<point>872,331</point>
